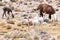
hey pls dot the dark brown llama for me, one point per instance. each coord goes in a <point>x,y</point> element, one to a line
<point>45,8</point>
<point>8,10</point>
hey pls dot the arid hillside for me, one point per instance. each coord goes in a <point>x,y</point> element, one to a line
<point>26,25</point>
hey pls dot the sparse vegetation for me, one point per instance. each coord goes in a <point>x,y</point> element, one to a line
<point>2,4</point>
<point>16,29</point>
<point>14,0</point>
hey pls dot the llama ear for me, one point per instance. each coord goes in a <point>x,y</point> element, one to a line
<point>57,9</point>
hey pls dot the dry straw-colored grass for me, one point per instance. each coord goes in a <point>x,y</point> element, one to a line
<point>2,4</point>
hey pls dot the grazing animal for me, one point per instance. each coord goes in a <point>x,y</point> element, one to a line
<point>8,10</point>
<point>45,8</point>
<point>36,20</point>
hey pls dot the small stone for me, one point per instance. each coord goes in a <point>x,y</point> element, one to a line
<point>36,38</point>
<point>19,24</point>
<point>43,32</point>
<point>53,38</point>
<point>46,20</point>
<point>10,21</point>
<point>25,3</point>
<point>9,27</point>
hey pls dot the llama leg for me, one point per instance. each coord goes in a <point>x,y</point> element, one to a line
<point>8,12</point>
<point>41,14</point>
<point>4,13</point>
<point>50,20</point>
<point>49,16</point>
<point>12,14</point>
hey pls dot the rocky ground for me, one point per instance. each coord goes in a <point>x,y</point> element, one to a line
<point>19,29</point>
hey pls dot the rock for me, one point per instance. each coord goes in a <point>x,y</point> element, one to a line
<point>29,38</point>
<point>9,27</point>
<point>53,39</point>
<point>13,0</point>
<point>10,21</point>
<point>46,20</point>
<point>25,15</point>
<point>25,21</point>
<point>25,3</point>
<point>17,10</point>
<point>43,33</point>
<point>2,23</point>
<point>19,23</point>
<point>36,38</point>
